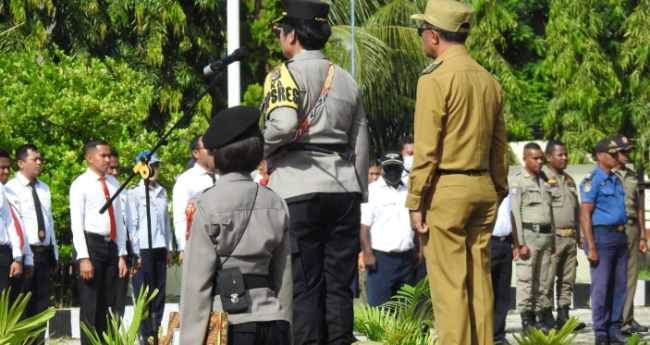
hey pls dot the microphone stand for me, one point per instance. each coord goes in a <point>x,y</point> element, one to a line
<point>144,170</point>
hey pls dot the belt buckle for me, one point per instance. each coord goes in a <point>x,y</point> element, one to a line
<point>502,238</point>
<point>107,239</point>
<point>536,227</point>
<point>621,228</point>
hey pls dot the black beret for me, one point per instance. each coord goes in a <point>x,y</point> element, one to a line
<point>230,125</point>
<point>304,9</point>
<point>607,145</point>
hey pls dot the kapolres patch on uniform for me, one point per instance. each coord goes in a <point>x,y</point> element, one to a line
<point>280,90</point>
<point>514,190</point>
<point>189,215</point>
<point>587,187</point>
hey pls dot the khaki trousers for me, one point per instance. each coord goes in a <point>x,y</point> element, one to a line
<point>532,273</point>
<point>461,214</point>
<point>564,264</point>
<point>632,232</point>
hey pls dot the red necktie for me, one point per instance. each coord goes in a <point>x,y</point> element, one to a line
<point>19,230</point>
<point>111,214</point>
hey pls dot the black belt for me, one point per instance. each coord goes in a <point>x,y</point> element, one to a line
<point>251,281</point>
<point>98,236</point>
<point>465,172</point>
<point>4,246</point>
<point>615,228</point>
<point>541,228</point>
<point>331,149</point>
<point>502,238</point>
<point>40,249</point>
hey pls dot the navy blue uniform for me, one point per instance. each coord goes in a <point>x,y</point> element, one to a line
<point>609,275</point>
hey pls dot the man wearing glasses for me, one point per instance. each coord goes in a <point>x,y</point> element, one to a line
<point>194,180</point>
<point>459,174</point>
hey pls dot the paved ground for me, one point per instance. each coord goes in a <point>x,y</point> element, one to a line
<point>642,315</point>
<point>586,336</point>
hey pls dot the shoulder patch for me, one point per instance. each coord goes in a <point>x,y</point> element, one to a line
<point>586,188</point>
<point>280,90</point>
<point>431,67</point>
<point>189,214</point>
<point>514,190</point>
<point>569,179</point>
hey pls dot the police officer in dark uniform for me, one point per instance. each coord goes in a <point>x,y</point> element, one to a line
<point>603,219</point>
<point>316,142</point>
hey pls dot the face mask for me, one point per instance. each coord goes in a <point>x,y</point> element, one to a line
<point>408,163</point>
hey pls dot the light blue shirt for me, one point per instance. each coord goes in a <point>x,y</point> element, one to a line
<point>503,226</point>
<point>161,232</point>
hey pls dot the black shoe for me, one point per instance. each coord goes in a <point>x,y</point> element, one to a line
<point>540,322</point>
<point>636,328</point>
<point>627,333</point>
<point>580,327</point>
<point>618,339</point>
<point>602,340</point>
<point>548,318</point>
<point>527,321</point>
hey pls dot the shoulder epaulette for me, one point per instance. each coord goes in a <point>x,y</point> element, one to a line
<point>590,175</point>
<point>431,67</point>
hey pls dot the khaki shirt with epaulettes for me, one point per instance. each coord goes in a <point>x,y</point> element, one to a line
<point>631,192</point>
<point>531,203</point>
<point>566,205</point>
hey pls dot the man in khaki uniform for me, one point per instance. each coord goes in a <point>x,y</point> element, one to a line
<point>635,230</point>
<point>531,207</point>
<point>316,142</point>
<point>566,213</point>
<point>459,174</point>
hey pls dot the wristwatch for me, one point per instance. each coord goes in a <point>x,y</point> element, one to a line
<point>18,259</point>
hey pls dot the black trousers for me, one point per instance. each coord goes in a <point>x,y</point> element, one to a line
<point>259,333</point>
<point>501,266</point>
<point>142,280</point>
<point>98,294</point>
<point>39,284</point>
<point>16,284</point>
<point>324,231</point>
<point>122,285</point>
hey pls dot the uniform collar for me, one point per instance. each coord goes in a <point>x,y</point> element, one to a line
<point>382,183</point>
<point>309,54</point>
<point>550,174</point>
<point>453,51</point>
<point>600,172</point>
<point>93,175</point>
<point>232,177</point>
<point>199,169</point>
<point>23,180</point>
<point>157,187</point>
<point>527,174</point>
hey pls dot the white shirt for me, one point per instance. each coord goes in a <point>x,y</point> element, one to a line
<point>503,226</point>
<point>128,223</point>
<point>20,188</point>
<point>388,219</point>
<point>161,232</point>
<point>8,234</point>
<point>187,185</point>
<point>86,199</point>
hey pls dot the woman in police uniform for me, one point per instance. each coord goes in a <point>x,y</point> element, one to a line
<point>238,234</point>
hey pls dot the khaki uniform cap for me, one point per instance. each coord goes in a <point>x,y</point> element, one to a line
<point>448,15</point>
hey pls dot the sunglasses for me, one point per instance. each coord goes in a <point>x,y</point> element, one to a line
<point>421,30</point>
<point>277,30</point>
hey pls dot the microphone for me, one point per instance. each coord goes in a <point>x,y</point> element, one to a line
<point>218,65</point>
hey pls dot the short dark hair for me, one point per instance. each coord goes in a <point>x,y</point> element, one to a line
<point>374,163</point>
<point>4,154</point>
<point>550,147</point>
<point>91,145</point>
<point>194,143</point>
<point>23,151</point>
<point>452,37</point>
<point>312,35</point>
<point>532,146</point>
<point>404,141</point>
<point>114,154</point>
<point>241,156</point>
